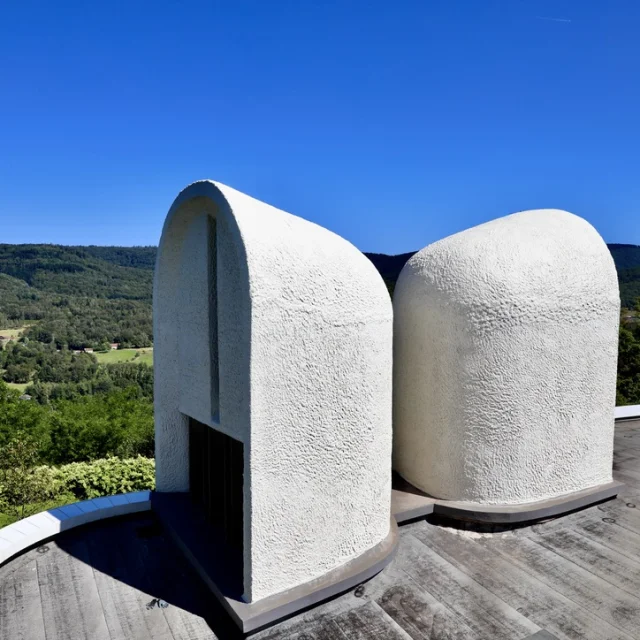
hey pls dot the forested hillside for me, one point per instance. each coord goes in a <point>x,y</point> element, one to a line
<point>629,285</point>
<point>97,272</point>
<point>137,257</point>
<point>60,404</point>
<point>626,256</point>
<point>78,297</point>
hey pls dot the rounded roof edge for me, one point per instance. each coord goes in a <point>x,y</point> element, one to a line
<point>530,258</point>
<point>311,263</point>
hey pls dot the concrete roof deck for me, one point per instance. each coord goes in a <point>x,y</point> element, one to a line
<point>577,576</point>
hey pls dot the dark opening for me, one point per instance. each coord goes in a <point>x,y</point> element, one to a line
<point>216,465</point>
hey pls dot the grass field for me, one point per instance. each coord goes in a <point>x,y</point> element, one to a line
<point>18,386</point>
<point>12,333</point>
<point>141,356</point>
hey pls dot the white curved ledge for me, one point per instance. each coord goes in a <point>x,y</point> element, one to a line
<point>17,537</point>
<point>628,412</point>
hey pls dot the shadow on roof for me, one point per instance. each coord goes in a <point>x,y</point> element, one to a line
<point>137,564</point>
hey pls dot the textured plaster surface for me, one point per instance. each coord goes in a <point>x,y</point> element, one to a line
<point>304,353</point>
<point>505,351</point>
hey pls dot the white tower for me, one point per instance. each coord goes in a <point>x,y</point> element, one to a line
<point>273,361</point>
<point>505,351</point>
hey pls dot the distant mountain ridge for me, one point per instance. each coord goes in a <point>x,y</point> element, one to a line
<point>626,256</point>
<point>126,273</point>
<point>94,272</point>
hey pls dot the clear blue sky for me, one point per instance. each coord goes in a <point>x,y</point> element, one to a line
<point>392,123</point>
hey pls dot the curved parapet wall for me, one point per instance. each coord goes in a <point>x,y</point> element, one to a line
<point>505,351</point>
<point>631,412</point>
<point>277,333</point>
<point>25,533</point>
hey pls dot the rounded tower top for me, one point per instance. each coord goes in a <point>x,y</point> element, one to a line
<point>522,266</point>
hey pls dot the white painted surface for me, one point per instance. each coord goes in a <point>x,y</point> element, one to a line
<point>505,358</point>
<point>27,532</point>
<point>304,326</point>
<point>629,411</point>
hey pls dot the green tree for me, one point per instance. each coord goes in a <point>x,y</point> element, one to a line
<point>628,388</point>
<point>20,482</point>
<point>17,373</point>
<point>20,416</point>
<point>96,426</point>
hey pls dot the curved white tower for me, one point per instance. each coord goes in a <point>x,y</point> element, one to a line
<point>273,351</point>
<point>505,351</point>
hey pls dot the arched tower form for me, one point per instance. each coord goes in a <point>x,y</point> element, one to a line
<point>505,352</point>
<point>273,351</point>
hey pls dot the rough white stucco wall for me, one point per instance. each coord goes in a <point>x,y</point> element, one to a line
<point>305,362</point>
<point>505,351</point>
